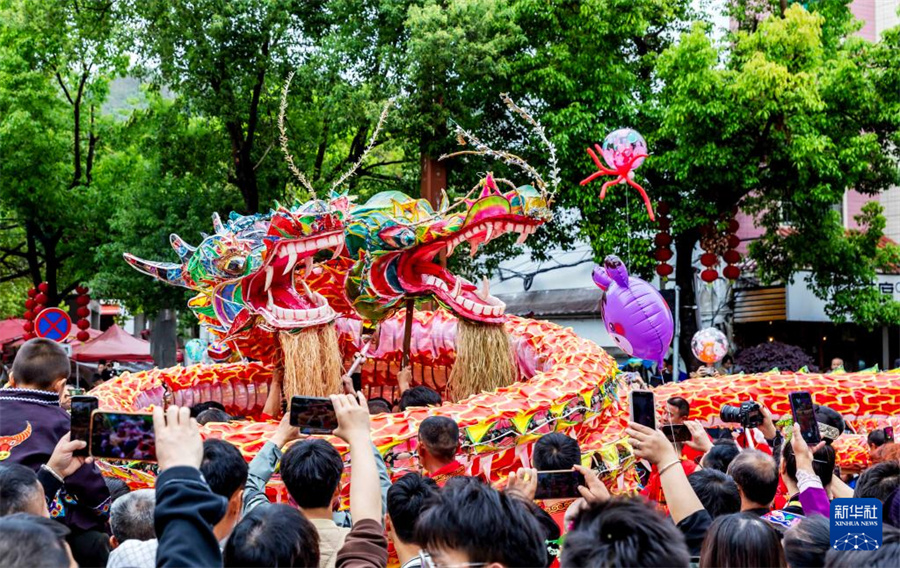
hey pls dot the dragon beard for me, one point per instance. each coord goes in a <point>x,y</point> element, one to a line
<point>485,360</point>
<point>312,361</point>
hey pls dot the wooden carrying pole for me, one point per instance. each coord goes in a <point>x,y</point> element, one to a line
<point>407,334</point>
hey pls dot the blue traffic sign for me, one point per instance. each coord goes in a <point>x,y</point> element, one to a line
<point>53,323</point>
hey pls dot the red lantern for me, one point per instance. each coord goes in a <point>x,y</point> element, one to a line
<point>83,312</point>
<point>83,324</point>
<point>709,259</point>
<point>43,287</point>
<point>29,303</point>
<point>83,300</point>
<point>709,276</point>
<point>30,336</point>
<point>41,299</point>
<point>663,239</point>
<point>664,270</point>
<point>732,256</point>
<point>28,326</point>
<point>733,226</point>
<point>83,336</point>
<point>731,272</point>
<point>662,254</point>
<point>662,208</point>
<point>29,315</point>
<point>32,293</point>
<point>734,241</point>
<point>81,290</point>
<point>664,224</point>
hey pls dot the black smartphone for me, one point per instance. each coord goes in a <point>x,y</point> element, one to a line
<point>313,415</point>
<point>123,436</point>
<point>558,484</point>
<point>82,407</point>
<point>676,432</point>
<point>805,416</point>
<point>889,434</point>
<point>642,405</point>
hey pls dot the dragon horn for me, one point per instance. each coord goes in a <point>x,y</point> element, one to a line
<point>183,249</point>
<point>217,224</point>
<point>167,272</point>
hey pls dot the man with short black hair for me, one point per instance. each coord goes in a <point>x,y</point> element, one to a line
<point>419,396</point>
<point>438,442</point>
<point>469,523</point>
<point>721,455</point>
<point>677,410</point>
<point>225,470</point>
<point>624,532</point>
<point>34,425</point>
<point>406,499</point>
<point>212,415</point>
<point>757,480</point>
<point>875,440</point>
<point>717,491</point>
<point>27,541</point>
<point>20,491</point>
<point>555,451</point>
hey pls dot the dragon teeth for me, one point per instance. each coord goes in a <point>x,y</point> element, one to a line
<point>522,237</point>
<point>473,249</point>
<point>338,250</point>
<point>270,272</point>
<point>292,260</point>
<point>309,265</point>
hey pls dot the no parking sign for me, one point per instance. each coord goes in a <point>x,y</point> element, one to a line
<point>53,323</point>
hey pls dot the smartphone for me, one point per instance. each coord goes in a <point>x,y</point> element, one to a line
<point>558,484</point>
<point>676,432</point>
<point>781,520</point>
<point>313,415</point>
<point>123,436</point>
<point>82,408</point>
<point>805,416</point>
<point>889,434</point>
<point>642,405</point>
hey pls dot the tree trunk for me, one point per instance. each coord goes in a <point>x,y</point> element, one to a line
<point>163,342</point>
<point>684,279</point>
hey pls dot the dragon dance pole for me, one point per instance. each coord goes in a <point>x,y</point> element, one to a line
<point>407,333</point>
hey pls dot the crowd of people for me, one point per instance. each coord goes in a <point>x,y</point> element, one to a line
<point>759,500</point>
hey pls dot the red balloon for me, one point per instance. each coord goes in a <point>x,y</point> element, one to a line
<point>41,298</point>
<point>29,303</point>
<point>43,286</point>
<point>83,312</point>
<point>83,336</point>
<point>664,223</point>
<point>734,241</point>
<point>663,254</point>
<point>709,259</point>
<point>731,272</point>
<point>83,300</point>
<point>81,290</point>
<point>662,208</point>
<point>709,276</point>
<point>83,324</point>
<point>733,226</point>
<point>28,326</point>
<point>29,336</point>
<point>663,239</point>
<point>32,293</point>
<point>664,270</point>
<point>732,256</point>
<point>29,315</point>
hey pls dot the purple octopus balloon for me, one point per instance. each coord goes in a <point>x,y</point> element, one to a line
<point>634,312</point>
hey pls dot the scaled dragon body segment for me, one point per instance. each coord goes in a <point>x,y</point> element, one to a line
<point>569,386</point>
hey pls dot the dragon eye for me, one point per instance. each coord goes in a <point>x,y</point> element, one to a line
<point>233,265</point>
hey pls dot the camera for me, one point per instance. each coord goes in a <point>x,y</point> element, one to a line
<point>748,414</point>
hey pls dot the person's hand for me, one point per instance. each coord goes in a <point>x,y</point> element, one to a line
<point>768,425</point>
<point>285,433</point>
<point>178,441</point>
<point>699,438</point>
<point>62,461</point>
<point>593,491</point>
<point>404,377</point>
<point>802,452</point>
<point>575,509</point>
<point>523,482</point>
<point>352,417</point>
<point>347,383</point>
<point>277,375</point>
<point>650,444</point>
<point>65,399</point>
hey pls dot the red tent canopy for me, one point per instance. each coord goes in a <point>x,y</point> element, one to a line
<point>115,344</point>
<point>11,330</point>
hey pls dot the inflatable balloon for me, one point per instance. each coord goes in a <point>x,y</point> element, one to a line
<point>194,352</point>
<point>623,151</point>
<point>634,312</point>
<point>709,345</point>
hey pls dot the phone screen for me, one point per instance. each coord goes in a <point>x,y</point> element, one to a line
<point>889,434</point>
<point>676,432</point>
<point>123,436</point>
<point>82,407</point>
<point>313,415</point>
<point>643,408</point>
<point>805,416</point>
<point>562,484</point>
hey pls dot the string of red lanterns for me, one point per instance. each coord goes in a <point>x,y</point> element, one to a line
<point>34,305</point>
<point>82,301</point>
<point>663,241</point>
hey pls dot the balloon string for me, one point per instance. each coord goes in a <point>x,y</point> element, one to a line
<point>628,236</point>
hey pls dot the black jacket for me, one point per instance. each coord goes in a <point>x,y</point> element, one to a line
<point>31,423</point>
<point>186,511</point>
